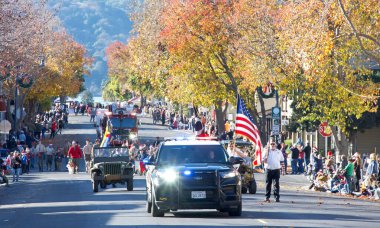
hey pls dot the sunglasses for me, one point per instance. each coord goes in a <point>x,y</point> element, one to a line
<point>273,144</point>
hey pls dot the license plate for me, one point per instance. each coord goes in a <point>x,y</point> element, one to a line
<point>198,195</point>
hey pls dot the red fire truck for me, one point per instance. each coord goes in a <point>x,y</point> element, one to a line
<point>122,124</point>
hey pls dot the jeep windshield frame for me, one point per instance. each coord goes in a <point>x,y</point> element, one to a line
<point>110,152</point>
<point>190,154</point>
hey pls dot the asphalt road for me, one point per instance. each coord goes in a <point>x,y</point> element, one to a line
<point>57,199</point>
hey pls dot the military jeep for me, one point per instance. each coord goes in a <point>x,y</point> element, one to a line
<point>111,165</point>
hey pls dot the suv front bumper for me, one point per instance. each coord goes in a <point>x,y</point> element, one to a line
<point>225,194</point>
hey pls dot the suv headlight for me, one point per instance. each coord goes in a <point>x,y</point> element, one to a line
<point>229,174</point>
<point>168,175</point>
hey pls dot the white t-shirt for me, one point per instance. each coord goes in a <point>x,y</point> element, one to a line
<point>233,153</point>
<point>274,159</point>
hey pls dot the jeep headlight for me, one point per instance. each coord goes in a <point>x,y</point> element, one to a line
<point>168,175</point>
<point>229,174</point>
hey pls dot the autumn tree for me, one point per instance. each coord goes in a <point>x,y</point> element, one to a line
<point>324,63</point>
<point>37,56</point>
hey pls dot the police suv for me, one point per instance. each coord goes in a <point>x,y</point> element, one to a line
<point>193,174</point>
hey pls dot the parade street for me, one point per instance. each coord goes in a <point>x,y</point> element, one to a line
<point>58,199</point>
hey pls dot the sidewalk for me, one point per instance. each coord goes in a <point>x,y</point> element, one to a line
<point>300,183</point>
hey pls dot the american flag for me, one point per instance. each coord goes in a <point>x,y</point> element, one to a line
<point>245,126</point>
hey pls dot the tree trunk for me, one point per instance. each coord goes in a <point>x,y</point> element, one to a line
<point>141,98</point>
<point>62,99</point>
<point>342,143</point>
<point>219,114</point>
<point>225,110</point>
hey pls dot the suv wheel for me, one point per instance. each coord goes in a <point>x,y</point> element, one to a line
<point>148,203</point>
<point>130,185</point>
<point>155,211</point>
<point>252,187</point>
<point>235,212</point>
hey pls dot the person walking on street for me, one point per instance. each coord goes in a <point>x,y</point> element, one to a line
<point>75,154</point>
<point>53,129</point>
<point>16,166</point>
<point>272,164</point>
<point>40,150</point>
<point>49,157</point>
<point>92,114</point>
<point>96,145</point>
<point>87,149</point>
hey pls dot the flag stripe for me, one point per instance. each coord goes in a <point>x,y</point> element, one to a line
<point>246,134</point>
<point>240,117</point>
<point>246,127</point>
<point>247,131</point>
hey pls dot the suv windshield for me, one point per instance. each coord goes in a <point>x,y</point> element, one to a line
<point>183,154</point>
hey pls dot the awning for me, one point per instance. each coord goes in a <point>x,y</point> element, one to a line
<point>134,100</point>
<point>68,99</point>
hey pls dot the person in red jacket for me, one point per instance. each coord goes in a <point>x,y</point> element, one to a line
<point>53,129</point>
<point>75,153</point>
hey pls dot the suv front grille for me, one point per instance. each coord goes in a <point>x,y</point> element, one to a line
<point>112,168</point>
<point>199,179</point>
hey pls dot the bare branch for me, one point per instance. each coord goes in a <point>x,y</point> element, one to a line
<point>358,35</point>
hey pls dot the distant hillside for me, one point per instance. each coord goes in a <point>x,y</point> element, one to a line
<point>95,24</point>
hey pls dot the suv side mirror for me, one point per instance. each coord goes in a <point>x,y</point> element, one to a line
<point>236,160</point>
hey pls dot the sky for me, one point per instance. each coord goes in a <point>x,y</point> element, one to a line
<point>95,24</point>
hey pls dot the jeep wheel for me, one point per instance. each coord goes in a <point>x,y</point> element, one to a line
<point>244,190</point>
<point>103,184</point>
<point>130,185</point>
<point>252,187</point>
<point>235,212</point>
<point>95,186</point>
<point>155,211</point>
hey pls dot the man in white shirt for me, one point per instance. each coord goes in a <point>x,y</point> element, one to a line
<point>49,157</point>
<point>40,150</point>
<point>272,164</point>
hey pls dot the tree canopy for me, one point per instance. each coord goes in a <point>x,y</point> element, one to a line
<point>318,53</point>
